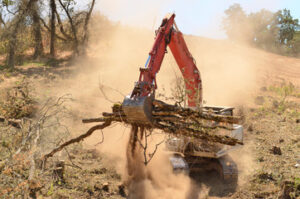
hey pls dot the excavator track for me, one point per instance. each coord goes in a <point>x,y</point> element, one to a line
<point>224,166</point>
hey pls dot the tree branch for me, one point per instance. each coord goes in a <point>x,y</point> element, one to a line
<point>74,140</point>
<point>49,30</point>
<point>2,21</point>
<point>87,19</point>
<point>61,27</point>
<point>71,23</point>
<point>183,125</point>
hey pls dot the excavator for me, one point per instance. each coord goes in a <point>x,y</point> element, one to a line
<point>187,154</point>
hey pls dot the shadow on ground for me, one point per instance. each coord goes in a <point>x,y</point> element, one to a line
<point>212,181</point>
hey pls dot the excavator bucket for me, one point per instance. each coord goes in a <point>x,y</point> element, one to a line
<point>138,110</point>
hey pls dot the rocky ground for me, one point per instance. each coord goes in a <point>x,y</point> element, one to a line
<point>273,134</point>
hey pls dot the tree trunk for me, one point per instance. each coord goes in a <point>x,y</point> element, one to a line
<point>86,29</point>
<point>38,47</point>
<point>13,41</point>
<point>18,20</point>
<point>52,22</point>
<point>2,20</point>
<point>73,28</point>
<point>12,48</point>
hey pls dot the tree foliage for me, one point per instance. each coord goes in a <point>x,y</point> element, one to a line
<point>262,27</point>
<point>235,22</point>
<point>287,24</point>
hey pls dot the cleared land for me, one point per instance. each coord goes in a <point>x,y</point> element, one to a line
<point>255,81</point>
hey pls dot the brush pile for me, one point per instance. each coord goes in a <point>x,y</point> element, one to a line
<point>179,121</point>
<point>203,124</point>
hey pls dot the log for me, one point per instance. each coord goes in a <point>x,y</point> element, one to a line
<point>91,120</point>
<point>180,121</point>
<point>163,109</point>
<point>171,119</point>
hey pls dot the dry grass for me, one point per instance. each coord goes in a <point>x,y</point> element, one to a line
<point>273,125</point>
<point>17,101</point>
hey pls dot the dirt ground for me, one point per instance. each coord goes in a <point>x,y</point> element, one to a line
<point>263,87</point>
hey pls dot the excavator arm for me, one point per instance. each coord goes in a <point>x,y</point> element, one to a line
<point>188,68</point>
<point>138,105</point>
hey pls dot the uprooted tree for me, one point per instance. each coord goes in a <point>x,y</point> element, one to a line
<point>172,119</point>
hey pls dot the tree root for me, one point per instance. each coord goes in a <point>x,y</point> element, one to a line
<point>74,140</point>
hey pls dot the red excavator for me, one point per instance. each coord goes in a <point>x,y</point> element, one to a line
<point>188,154</point>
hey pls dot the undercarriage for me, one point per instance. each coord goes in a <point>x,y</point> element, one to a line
<point>194,156</point>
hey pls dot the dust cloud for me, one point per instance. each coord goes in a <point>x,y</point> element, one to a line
<point>145,13</point>
<point>156,180</point>
<point>114,66</point>
<point>229,75</point>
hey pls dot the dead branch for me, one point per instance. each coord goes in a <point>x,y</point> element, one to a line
<point>61,27</point>
<point>144,146</point>
<point>86,22</point>
<point>70,159</point>
<point>73,28</point>
<point>167,109</point>
<point>171,119</point>
<point>102,139</point>
<point>180,121</point>
<point>49,30</point>
<point>101,88</point>
<point>151,155</point>
<point>91,120</point>
<point>74,140</point>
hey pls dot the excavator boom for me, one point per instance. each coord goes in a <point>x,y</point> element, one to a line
<point>188,68</point>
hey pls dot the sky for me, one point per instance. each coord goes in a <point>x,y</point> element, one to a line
<point>196,17</point>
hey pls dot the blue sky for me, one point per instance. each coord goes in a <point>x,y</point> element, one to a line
<point>197,17</point>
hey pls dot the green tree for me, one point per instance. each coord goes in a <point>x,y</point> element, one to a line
<point>262,31</point>
<point>287,24</point>
<point>276,32</point>
<point>295,44</point>
<point>235,23</point>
